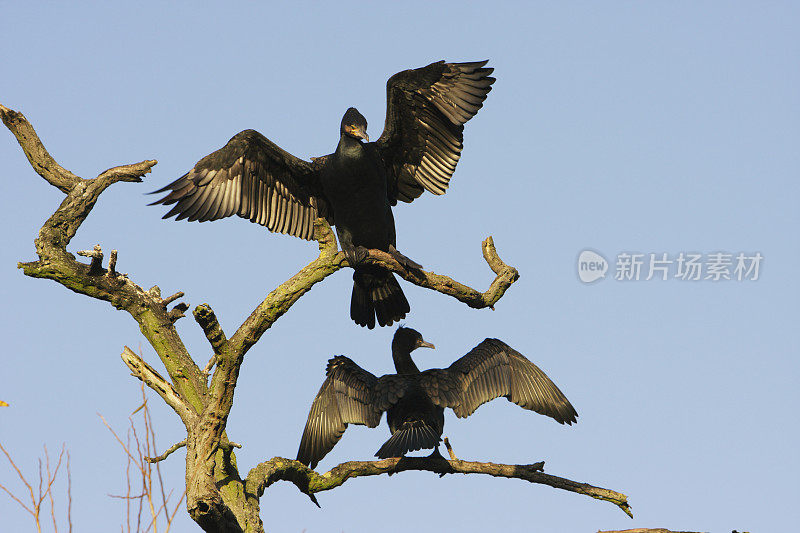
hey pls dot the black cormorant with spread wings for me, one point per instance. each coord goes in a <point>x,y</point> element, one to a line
<point>414,401</point>
<point>353,188</point>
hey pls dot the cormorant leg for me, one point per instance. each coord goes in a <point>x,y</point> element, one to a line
<point>437,455</point>
<point>360,254</point>
<point>355,254</point>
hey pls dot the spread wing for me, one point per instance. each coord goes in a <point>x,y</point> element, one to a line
<point>493,369</point>
<point>253,178</point>
<point>426,110</point>
<point>346,397</point>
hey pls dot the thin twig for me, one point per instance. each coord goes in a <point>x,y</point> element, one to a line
<point>69,493</point>
<point>137,450</point>
<point>175,511</point>
<point>45,487</point>
<point>167,452</point>
<point>24,481</point>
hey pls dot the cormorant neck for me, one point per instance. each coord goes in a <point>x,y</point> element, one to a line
<point>402,360</point>
<point>349,145</point>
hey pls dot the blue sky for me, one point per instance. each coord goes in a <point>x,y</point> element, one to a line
<point>627,127</point>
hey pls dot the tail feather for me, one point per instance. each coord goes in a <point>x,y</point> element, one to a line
<point>414,436</point>
<point>361,309</point>
<point>376,292</point>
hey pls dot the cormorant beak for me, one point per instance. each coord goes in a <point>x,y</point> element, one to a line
<point>361,133</point>
<point>356,131</point>
<point>425,344</point>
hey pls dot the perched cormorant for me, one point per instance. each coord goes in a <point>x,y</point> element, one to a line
<point>414,401</point>
<point>354,187</point>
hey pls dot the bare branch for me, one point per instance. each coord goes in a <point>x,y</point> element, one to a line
<point>211,362</point>
<point>13,497</point>
<point>57,264</point>
<point>112,263</point>
<point>506,276</point>
<point>22,478</point>
<point>167,453</point>
<point>39,158</point>
<point>207,320</point>
<point>44,491</point>
<point>287,293</point>
<point>96,267</point>
<point>146,373</point>
<point>310,482</point>
<point>177,296</point>
<point>450,451</point>
<point>69,494</point>
<point>132,172</point>
<point>177,312</point>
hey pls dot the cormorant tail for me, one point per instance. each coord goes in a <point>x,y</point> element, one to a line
<point>415,435</point>
<point>376,292</point>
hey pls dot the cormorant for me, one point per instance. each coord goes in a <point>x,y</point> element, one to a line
<point>354,187</point>
<point>414,401</point>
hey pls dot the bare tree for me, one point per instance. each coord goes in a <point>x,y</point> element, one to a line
<point>218,498</point>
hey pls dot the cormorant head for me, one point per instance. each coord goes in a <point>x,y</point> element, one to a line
<point>408,340</point>
<point>354,124</point>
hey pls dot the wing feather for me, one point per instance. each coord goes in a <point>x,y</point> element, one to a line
<point>255,179</point>
<point>347,396</point>
<point>425,115</point>
<point>196,205</point>
<point>491,370</point>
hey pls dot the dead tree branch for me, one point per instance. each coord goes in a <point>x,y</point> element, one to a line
<point>175,447</point>
<point>310,482</point>
<point>140,369</point>
<point>39,158</point>
<point>217,498</point>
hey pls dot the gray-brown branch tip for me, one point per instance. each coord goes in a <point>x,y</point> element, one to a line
<point>132,172</point>
<point>536,467</point>
<point>177,312</point>
<point>4,110</point>
<point>7,114</point>
<point>96,255</point>
<point>167,452</point>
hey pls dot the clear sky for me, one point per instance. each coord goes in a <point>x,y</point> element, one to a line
<point>623,127</point>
